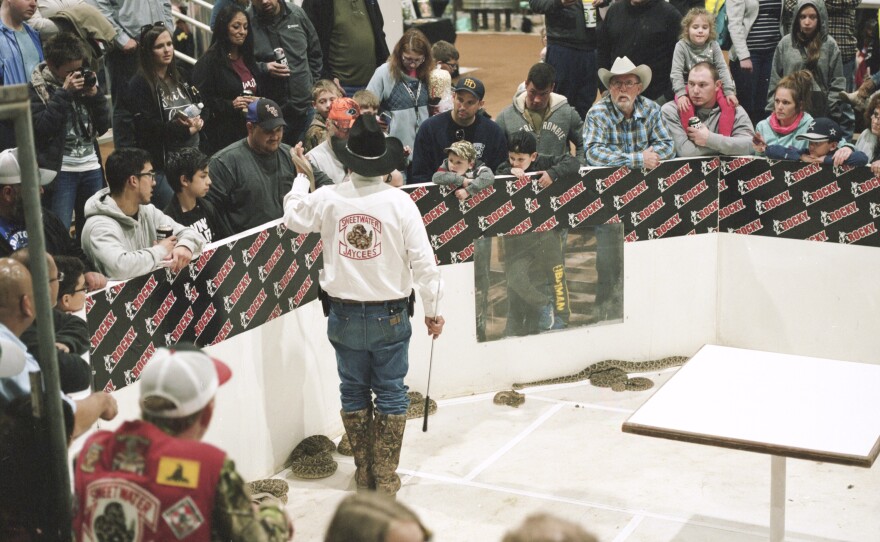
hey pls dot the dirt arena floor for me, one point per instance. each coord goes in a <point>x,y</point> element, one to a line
<point>500,61</point>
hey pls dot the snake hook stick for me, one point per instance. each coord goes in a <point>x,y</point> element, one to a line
<point>431,359</point>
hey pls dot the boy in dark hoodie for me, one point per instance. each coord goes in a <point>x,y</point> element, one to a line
<point>523,158</point>
<point>823,139</point>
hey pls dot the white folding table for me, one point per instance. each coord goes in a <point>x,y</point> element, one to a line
<point>778,404</point>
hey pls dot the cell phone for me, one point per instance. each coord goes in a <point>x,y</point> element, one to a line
<point>385,117</point>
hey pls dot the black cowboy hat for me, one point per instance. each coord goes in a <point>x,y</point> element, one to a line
<point>367,151</point>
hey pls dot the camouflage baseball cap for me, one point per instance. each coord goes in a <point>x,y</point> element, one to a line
<point>463,149</point>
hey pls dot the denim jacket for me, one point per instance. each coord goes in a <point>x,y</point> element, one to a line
<point>11,63</point>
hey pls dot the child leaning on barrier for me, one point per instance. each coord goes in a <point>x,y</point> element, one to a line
<point>462,169</point>
<point>824,146</point>
<point>523,158</point>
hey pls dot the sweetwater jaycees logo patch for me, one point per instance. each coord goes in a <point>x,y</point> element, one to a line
<point>360,237</point>
<point>119,510</point>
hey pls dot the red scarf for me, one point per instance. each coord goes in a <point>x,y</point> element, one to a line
<point>725,121</point>
<point>784,130</point>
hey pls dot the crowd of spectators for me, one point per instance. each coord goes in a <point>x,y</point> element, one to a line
<point>212,149</point>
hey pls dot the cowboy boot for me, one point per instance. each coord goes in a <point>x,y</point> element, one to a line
<point>859,98</point>
<point>387,441</point>
<point>358,428</point>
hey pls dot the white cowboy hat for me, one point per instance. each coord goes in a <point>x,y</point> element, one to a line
<point>622,66</point>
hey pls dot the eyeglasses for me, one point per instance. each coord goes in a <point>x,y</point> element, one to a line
<point>83,289</point>
<point>453,65</point>
<point>414,62</point>
<point>59,278</point>
<point>150,174</point>
<point>147,27</point>
<point>625,85</point>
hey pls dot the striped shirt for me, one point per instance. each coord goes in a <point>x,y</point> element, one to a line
<point>764,34</point>
<point>611,139</point>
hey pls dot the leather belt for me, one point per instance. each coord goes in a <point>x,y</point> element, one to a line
<point>366,303</point>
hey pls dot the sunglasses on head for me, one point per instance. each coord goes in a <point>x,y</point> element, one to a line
<point>147,27</point>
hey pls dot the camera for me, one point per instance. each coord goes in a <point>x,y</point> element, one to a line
<point>89,78</point>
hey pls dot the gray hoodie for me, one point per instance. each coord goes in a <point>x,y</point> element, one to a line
<point>828,78</point>
<point>122,247</point>
<point>562,125</point>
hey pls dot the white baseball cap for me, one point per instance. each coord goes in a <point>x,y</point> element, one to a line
<point>187,378</point>
<point>11,358</point>
<point>10,172</point>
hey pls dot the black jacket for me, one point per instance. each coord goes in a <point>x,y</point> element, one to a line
<point>154,133</point>
<point>647,34</point>
<point>565,25</point>
<point>218,85</point>
<point>320,12</point>
<point>292,31</point>
<point>220,228</point>
<point>71,331</point>
<point>51,106</point>
<point>563,167</point>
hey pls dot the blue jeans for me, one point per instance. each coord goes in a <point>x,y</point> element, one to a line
<point>70,192</point>
<point>576,75</point>
<point>753,88</point>
<point>372,354</point>
<point>849,72</point>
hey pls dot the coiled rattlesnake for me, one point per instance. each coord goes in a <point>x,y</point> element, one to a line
<point>612,373</point>
<point>311,458</point>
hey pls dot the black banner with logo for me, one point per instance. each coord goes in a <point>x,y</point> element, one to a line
<point>230,289</point>
<point>796,200</point>
<point>676,198</point>
<point>245,283</point>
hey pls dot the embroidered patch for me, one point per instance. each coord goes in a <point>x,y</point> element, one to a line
<point>360,237</point>
<point>93,454</point>
<point>131,458</point>
<point>178,472</point>
<point>184,518</point>
<point>118,510</point>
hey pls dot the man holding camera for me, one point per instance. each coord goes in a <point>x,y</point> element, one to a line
<point>69,113</point>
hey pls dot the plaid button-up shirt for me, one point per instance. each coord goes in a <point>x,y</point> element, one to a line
<point>610,139</point>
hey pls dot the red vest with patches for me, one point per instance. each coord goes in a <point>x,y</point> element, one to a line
<point>140,484</point>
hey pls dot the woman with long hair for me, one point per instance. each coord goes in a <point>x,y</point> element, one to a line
<point>809,47</point>
<point>402,85</point>
<point>226,76</point>
<point>165,108</point>
<point>791,99</point>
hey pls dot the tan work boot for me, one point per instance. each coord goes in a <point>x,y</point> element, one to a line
<point>358,427</point>
<point>387,441</point>
<point>859,98</point>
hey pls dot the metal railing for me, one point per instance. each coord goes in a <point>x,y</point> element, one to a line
<point>15,105</point>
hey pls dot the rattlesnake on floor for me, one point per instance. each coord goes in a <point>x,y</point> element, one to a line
<point>268,487</point>
<point>612,373</point>
<point>509,398</point>
<point>311,458</point>
<point>416,410</point>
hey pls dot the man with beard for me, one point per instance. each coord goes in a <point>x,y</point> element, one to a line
<point>283,27</point>
<point>461,124</point>
<point>622,129</point>
<point>722,131</point>
<point>625,128</point>
<point>251,176</point>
